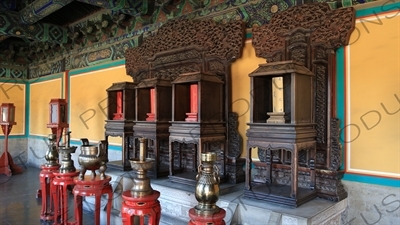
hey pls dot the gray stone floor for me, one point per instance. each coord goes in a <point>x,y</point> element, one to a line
<point>18,203</point>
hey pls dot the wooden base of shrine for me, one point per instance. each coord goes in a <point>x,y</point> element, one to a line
<point>188,178</point>
<point>7,165</point>
<point>118,165</point>
<point>214,219</point>
<point>280,194</point>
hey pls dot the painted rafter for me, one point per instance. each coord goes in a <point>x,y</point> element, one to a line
<point>10,26</point>
<point>40,9</point>
<point>129,7</point>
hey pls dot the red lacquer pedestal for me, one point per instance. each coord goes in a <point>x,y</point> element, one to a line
<point>92,187</point>
<point>46,177</point>
<point>214,219</point>
<point>59,190</point>
<point>141,206</point>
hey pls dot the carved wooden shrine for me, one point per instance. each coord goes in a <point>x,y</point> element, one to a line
<point>197,120</point>
<point>283,129</point>
<point>307,35</point>
<point>120,117</point>
<point>153,113</point>
<point>188,46</point>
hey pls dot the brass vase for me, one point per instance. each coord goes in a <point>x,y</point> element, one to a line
<point>52,153</point>
<point>207,187</point>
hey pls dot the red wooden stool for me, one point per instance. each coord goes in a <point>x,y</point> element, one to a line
<point>61,181</point>
<point>214,219</point>
<point>92,187</point>
<point>46,182</point>
<point>141,206</point>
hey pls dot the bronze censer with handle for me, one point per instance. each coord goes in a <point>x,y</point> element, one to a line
<point>93,158</point>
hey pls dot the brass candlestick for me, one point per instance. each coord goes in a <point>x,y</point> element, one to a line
<point>67,164</point>
<point>52,153</point>
<point>141,183</point>
<point>207,187</point>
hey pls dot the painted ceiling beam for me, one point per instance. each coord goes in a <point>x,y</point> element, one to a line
<point>10,26</point>
<point>130,7</point>
<point>40,9</point>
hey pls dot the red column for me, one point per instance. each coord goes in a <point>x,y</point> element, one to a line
<point>151,115</point>
<point>192,115</point>
<point>118,115</point>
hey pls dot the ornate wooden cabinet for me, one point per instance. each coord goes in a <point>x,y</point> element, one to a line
<point>197,121</point>
<point>120,117</point>
<point>153,113</point>
<point>206,49</point>
<point>283,130</point>
<point>308,35</point>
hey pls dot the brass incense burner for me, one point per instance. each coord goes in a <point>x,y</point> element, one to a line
<point>52,153</point>
<point>141,183</point>
<point>67,164</point>
<point>93,158</point>
<point>207,188</point>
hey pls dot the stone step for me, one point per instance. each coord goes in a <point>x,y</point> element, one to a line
<point>177,199</point>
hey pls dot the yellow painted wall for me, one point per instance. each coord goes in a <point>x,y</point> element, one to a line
<point>241,92</point>
<point>88,102</point>
<point>372,83</point>
<point>15,93</point>
<point>40,96</point>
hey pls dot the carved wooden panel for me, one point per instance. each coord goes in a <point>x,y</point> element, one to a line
<point>203,44</point>
<point>184,46</point>
<point>310,34</point>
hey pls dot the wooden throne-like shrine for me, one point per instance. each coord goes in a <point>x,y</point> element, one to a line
<point>180,47</point>
<point>303,38</point>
